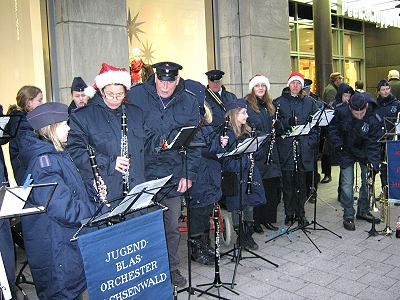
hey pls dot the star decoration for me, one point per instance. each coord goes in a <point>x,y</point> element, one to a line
<point>147,52</point>
<point>133,26</point>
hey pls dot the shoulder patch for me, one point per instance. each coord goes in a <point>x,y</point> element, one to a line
<point>44,161</point>
<point>378,117</point>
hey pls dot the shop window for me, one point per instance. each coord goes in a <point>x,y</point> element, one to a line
<point>304,12</point>
<point>293,37</point>
<point>353,25</point>
<point>335,43</point>
<point>307,68</point>
<point>352,45</point>
<point>306,38</point>
<point>352,71</point>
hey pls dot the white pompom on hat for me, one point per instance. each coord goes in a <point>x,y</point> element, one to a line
<point>296,76</point>
<point>109,75</point>
<point>258,78</point>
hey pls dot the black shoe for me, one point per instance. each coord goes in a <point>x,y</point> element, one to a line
<point>289,220</point>
<point>199,255</point>
<point>269,226</point>
<point>177,279</point>
<point>251,244</point>
<point>257,228</point>
<point>368,217</point>
<point>302,221</point>
<point>326,179</point>
<point>348,223</point>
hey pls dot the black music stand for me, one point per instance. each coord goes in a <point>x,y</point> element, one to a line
<point>4,132</point>
<point>139,197</point>
<point>15,202</point>
<point>249,145</point>
<point>181,143</point>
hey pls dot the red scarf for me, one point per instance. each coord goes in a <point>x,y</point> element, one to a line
<point>136,66</point>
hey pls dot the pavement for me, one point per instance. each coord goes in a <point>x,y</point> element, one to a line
<point>351,267</point>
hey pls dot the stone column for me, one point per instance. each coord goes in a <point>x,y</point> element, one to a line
<point>322,43</point>
<point>252,37</point>
<point>87,33</point>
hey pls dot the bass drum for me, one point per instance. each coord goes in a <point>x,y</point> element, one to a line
<point>225,228</point>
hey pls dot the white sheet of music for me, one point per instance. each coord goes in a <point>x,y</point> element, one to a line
<point>14,201</point>
<point>325,119</point>
<point>249,145</point>
<point>3,123</point>
<point>4,287</point>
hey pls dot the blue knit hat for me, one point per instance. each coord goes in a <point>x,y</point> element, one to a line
<point>47,114</point>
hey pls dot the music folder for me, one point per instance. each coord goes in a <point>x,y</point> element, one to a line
<point>249,145</point>
<point>14,201</point>
<point>4,119</point>
<point>184,136</point>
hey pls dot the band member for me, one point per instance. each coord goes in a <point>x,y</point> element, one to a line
<point>100,126</point>
<point>79,99</point>
<point>217,96</point>
<point>55,262</point>
<point>251,187</point>
<point>6,242</point>
<point>262,116</point>
<point>296,154</point>
<point>168,106</point>
<point>354,133</point>
<point>28,98</point>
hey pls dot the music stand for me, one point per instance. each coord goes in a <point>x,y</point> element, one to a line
<point>12,204</point>
<point>5,133</point>
<point>139,197</point>
<point>249,145</point>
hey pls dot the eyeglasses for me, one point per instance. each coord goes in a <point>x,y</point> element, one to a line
<point>111,96</point>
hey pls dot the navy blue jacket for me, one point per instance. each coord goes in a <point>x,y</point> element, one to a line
<point>217,110</point>
<point>232,164</point>
<point>206,188</point>
<point>18,164</point>
<point>388,107</point>
<point>302,107</point>
<point>355,140</point>
<point>262,121</point>
<point>100,126</point>
<point>164,122</point>
<point>55,262</point>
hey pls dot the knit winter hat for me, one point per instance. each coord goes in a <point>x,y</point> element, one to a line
<point>109,75</point>
<point>296,76</point>
<point>382,83</point>
<point>258,78</point>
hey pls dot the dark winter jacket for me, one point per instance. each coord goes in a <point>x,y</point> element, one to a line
<point>395,87</point>
<point>54,260</point>
<point>343,88</point>
<point>100,127</point>
<point>262,121</point>
<point>18,164</point>
<point>355,140</point>
<point>218,110</point>
<point>206,188</point>
<point>232,164</point>
<point>389,108</point>
<point>329,93</point>
<point>163,122</point>
<point>302,108</point>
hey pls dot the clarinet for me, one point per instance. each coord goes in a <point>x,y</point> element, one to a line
<point>273,138</point>
<point>226,126</point>
<point>99,182</point>
<point>124,151</point>
<point>295,154</point>
<point>249,189</point>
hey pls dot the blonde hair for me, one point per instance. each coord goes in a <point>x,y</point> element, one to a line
<point>208,113</point>
<point>238,129</point>
<point>266,99</point>
<point>49,134</point>
<point>26,93</point>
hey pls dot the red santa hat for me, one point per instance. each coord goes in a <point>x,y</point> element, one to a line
<point>258,78</point>
<point>296,76</point>
<point>109,75</point>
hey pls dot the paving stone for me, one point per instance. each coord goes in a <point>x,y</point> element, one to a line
<point>378,281</point>
<point>256,289</point>
<point>313,291</point>
<point>375,267</point>
<point>393,260</point>
<point>281,294</point>
<point>395,273</point>
<point>347,286</point>
<point>324,265</point>
<point>319,277</point>
<point>289,283</point>
<point>373,293</point>
<point>375,255</point>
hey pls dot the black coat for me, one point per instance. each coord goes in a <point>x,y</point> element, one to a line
<point>218,110</point>
<point>355,140</point>
<point>99,126</point>
<point>302,107</point>
<point>388,107</point>
<point>55,262</point>
<point>262,121</point>
<point>164,123</point>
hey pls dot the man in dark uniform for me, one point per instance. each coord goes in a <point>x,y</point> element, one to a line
<point>296,154</point>
<point>354,133</point>
<point>217,97</point>
<point>79,99</point>
<point>167,106</point>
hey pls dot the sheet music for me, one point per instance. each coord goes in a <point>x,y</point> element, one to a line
<point>144,200</point>
<point>249,145</point>
<point>325,119</point>
<point>181,131</point>
<point>14,201</point>
<point>3,123</point>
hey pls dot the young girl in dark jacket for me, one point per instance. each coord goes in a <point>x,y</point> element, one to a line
<point>55,261</point>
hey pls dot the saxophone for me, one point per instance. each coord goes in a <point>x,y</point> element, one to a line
<point>268,161</point>
<point>249,189</point>
<point>124,150</point>
<point>99,182</point>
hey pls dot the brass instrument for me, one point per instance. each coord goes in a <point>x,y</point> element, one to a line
<point>385,210</point>
<point>249,189</point>
<point>371,188</point>
<point>124,150</point>
<point>98,180</point>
